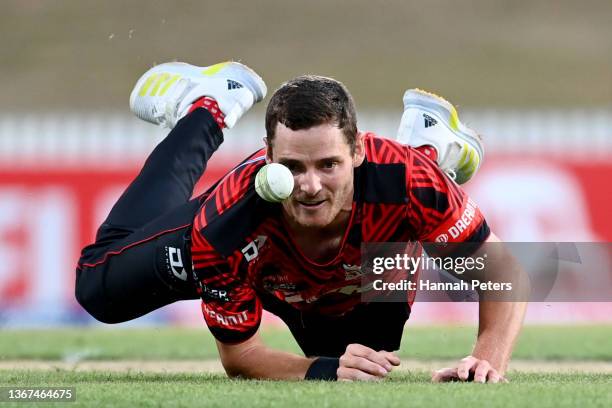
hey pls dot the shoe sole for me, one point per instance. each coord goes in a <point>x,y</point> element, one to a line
<point>240,72</point>
<point>442,108</point>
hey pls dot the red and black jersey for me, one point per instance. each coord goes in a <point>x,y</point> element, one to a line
<point>243,252</point>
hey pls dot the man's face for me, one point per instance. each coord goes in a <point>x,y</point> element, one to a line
<point>322,166</point>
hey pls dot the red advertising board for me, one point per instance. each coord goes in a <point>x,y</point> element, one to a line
<point>48,214</point>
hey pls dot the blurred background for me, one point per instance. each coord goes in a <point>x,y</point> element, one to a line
<point>534,78</point>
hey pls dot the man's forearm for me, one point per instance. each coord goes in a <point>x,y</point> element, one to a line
<point>500,320</point>
<point>499,326</point>
<point>268,363</point>
<point>253,359</point>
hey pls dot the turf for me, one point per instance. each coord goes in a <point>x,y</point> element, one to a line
<point>535,343</point>
<point>215,390</point>
<point>413,390</point>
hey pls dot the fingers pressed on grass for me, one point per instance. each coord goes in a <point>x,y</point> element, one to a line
<point>373,356</point>
<point>391,357</point>
<point>493,377</point>
<point>363,364</point>
<point>481,371</point>
<point>463,370</point>
<point>444,375</point>
<point>352,374</point>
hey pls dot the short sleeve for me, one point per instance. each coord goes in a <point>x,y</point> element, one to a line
<point>439,210</point>
<point>231,308</point>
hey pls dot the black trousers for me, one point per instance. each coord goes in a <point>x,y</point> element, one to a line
<point>140,259</point>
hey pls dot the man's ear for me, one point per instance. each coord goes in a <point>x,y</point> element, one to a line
<point>359,155</point>
<point>268,150</point>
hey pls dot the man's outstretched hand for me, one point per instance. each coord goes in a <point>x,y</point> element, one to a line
<point>469,369</point>
<point>361,363</point>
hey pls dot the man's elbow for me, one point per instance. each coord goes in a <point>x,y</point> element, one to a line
<point>234,368</point>
<point>237,360</point>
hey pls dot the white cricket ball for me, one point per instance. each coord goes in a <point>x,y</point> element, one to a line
<point>274,182</point>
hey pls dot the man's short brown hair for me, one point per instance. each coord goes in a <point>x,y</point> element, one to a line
<point>311,100</point>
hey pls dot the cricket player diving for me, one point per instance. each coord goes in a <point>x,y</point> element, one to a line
<point>296,258</point>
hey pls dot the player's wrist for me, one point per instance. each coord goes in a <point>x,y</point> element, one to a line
<point>324,369</point>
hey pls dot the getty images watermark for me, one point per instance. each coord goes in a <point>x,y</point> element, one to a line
<point>564,272</point>
<point>413,264</point>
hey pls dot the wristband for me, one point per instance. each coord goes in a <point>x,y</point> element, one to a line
<point>323,368</point>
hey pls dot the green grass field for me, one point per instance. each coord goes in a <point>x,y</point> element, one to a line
<point>407,390</point>
<point>574,344</point>
<point>424,343</point>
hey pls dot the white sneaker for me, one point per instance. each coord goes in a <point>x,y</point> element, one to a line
<point>164,93</point>
<point>430,120</point>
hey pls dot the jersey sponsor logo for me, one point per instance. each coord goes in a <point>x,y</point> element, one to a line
<point>297,298</point>
<point>280,283</point>
<point>276,281</point>
<point>442,238</point>
<point>347,290</point>
<point>461,225</point>
<point>251,250</point>
<point>282,286</point>
<point>219,295</point>
<point>225,319</point>
<point>175,261</point>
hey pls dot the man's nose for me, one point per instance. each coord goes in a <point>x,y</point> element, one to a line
<point>310,183</point>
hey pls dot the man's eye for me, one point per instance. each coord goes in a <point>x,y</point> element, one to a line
<point>293,168</point>
<point>330,164</point>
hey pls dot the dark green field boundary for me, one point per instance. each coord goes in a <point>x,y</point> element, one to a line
<point>553,343</point>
